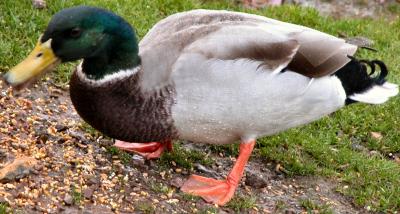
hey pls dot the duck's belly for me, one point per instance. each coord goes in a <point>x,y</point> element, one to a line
<point>220,102</point>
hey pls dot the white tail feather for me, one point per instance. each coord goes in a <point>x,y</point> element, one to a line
<point>377,94</point>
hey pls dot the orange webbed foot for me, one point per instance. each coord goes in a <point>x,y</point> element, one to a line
<point>220,191</point>
<point>151,150</point>
<point>211,190</point>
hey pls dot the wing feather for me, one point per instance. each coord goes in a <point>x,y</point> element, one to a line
<point>229,35</point>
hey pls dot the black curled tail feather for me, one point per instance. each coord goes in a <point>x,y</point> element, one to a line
<point>381,78</point>
<point>355,77</point>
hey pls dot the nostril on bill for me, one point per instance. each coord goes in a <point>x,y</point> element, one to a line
<point>39,55</point>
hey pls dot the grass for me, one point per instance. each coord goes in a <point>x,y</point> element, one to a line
<point>322,148</point>
<point>312,207</point>
<point>145,207</point>
<point>180,157</point>
<point>208,210</point>
<point>160,188</point>
<point>280,206</point>
<point>76,194</point>
<point>241,203</point>
<point>4,208</point>
<point>123,156</point>
<point>188,197</point>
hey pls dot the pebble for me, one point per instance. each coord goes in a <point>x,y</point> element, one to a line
<point>39,4</point>
<point>376,135</point>
<point>205,170</point>
<point>19,168</point>
<point>68,199</point>
<point>3,154</point>
<point>358,147</point>
<point>255,180</point>
<point>177,182</point>
<point>88,192</point>
<point>172,201</point>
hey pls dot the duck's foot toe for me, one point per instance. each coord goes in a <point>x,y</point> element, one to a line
<point>151,150</point>
<point>211,190</point>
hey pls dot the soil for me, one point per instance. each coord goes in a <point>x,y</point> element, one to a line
<point>75,172</point>
<point>341,8</point>
<point>351,8</point>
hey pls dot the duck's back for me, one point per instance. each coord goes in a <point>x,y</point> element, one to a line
<point>232,35</point>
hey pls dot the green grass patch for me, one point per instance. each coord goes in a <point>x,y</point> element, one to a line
<point>122,155</point>
<point>4,208</point>
<point>160,188</point>
<point>280,206</point>
<point>180,157</point>
<point>208,210</point>
<point>312,207</point>
<point>241,203</point>
<point>89,130</point>
<point>323,148</point>
<point>77,195</point>
<point>188,197</point>
<point>145,207</point>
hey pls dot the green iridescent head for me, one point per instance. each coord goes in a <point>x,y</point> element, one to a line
<point>105,41</point>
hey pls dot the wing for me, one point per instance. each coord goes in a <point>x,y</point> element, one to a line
<point>228,35</point>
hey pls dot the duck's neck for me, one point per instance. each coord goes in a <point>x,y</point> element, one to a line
<point>120,55</point>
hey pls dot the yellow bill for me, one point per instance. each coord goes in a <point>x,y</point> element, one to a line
<point>39,61</point>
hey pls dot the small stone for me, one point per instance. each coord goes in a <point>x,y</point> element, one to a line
<point>255,180</point>
<point>397,160</point>
<point>290,211</point>
<point>3,154</point>
<point>374,153</point>
<point>114,205</point>
<point>91,180</point>
<point>39,4</point>
<point>19,168</point>
<point>68,199</point>
<point>138,160</point>
<point>206,171</point>
<point>61,128</point>
<point>376,135</point>
<point>172,201</point>
<point>279,168</point>
<point>19,146</point>
<point>358,147</point>
<point>261,3</point>
<point>88,193</point>
<point>9,186</point>
<point>177,182</point>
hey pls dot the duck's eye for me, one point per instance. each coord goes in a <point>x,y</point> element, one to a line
<point>75,32</point>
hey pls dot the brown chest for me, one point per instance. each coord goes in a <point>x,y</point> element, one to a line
<point>120,110</point>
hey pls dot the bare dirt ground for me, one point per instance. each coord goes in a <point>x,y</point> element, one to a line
<point>351,8</point>
<point>342,8</point>
<point>52,164</point>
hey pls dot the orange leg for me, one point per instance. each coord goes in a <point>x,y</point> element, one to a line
<point>150,150</point>
<point>216,191</point>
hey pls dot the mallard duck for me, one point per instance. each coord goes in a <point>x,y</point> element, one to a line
<point>207,76</point>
